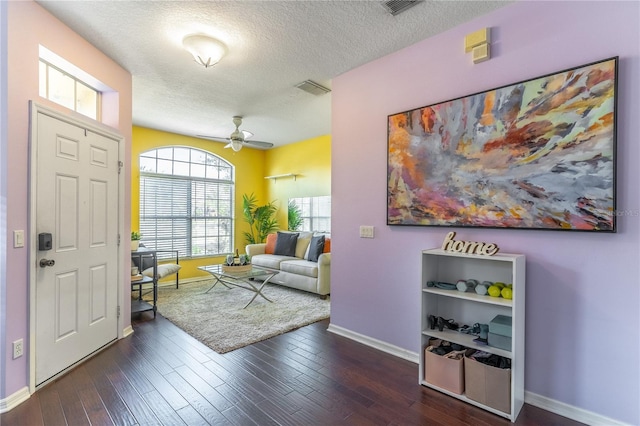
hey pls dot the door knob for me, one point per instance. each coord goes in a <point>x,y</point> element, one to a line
<point>47,262</point>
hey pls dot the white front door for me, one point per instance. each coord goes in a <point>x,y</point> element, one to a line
<point>76,282</point>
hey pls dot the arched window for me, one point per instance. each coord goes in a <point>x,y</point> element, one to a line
<point>186,201</point>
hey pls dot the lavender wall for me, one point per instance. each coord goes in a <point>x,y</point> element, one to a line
<point>583,299</point>
<point>3,185</point>
<point>29,25</point>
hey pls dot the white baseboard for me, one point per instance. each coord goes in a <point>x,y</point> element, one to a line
<point>127,331</point>
<point>569,411</point>
<point>548,404</point>
<point>14,400</point>
<point>375,343</point>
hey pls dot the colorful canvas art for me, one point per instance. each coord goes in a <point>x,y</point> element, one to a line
<point>538,154</point>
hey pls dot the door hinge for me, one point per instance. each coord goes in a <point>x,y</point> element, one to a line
<point>118,313</point>
<point>120,165</point>
<point>118,239</point>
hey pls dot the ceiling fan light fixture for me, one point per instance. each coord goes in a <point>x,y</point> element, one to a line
<point>236,145</point>
<point>206,51</point>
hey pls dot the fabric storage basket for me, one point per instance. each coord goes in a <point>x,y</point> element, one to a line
<point>445,373</point>
<point>487,385</point>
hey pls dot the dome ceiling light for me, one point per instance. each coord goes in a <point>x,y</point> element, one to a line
<point>206,51</point>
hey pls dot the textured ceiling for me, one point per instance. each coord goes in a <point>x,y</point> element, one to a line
<point>272,46</point>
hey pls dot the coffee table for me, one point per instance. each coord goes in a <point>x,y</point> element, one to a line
<point>245,280</point>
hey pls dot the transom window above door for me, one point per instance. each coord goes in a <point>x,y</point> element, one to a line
<point>186,201</point>
<point>69,91</point>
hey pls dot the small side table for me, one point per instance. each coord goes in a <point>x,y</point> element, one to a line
<point>139,304</point>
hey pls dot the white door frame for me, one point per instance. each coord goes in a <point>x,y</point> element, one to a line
<point>104,131</point>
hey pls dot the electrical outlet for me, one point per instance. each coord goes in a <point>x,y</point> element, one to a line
<point>18,349</point>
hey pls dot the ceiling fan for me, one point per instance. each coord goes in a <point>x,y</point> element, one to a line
<point>238,137</point>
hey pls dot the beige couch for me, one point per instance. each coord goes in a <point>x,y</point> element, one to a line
<point>295,271</point>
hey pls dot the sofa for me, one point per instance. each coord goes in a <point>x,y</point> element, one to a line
<point>304,263</point>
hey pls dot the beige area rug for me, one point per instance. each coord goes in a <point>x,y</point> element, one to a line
<point>218,319</point>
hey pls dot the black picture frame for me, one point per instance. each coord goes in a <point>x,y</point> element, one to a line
<point>536,154</point>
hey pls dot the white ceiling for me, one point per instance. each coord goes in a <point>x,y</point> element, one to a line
<point>272,46</point>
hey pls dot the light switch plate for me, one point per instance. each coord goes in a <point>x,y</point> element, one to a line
<point>18,238</point>
<point>366,231</point>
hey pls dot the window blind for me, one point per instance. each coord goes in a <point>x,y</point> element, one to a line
<point>193,216</point>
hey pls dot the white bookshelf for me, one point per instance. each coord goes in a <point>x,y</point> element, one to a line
<point>470,308</point>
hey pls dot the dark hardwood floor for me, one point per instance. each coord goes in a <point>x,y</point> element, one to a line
<point>161,375</point>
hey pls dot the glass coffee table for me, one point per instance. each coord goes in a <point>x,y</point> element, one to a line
<point>245,280</point>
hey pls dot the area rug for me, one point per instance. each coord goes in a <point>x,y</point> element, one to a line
<point>218,320</point>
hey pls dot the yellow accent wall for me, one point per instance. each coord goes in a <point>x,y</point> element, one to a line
<point>311,159</point>
<point>249,174</point>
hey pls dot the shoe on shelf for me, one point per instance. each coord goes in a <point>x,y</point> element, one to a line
<point>433,321</point>
<point>449,323</point>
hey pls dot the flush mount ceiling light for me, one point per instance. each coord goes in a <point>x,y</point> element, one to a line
<point>206,51</point>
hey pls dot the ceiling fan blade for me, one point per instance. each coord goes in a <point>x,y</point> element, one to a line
<point>258,143</point>
<point>215,138</point>
<point>238,137</point>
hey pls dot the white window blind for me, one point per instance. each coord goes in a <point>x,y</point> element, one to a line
<point>316,213</point>
<point>193,215</point>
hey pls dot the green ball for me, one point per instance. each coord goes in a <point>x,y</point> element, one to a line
<point>494,291</point>
<point>507,293</point>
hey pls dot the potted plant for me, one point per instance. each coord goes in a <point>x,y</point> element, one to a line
<point>294,219</point>
<point>261,219</point>
<point>135,240</point>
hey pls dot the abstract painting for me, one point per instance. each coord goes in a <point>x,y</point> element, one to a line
<point>538,154</point>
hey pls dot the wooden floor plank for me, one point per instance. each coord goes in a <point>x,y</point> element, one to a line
<point>132,398</point>
<point>208,391</point>
<point>97,370</point>
<point>27,413</point>
<point>90,397</point>
<point>190,416</point>
<point>195,399</point>
<point>162,409</point>
<point>71,403</point>
<point>161,375</point>
<point>169,393</point>
<point>51,407</point>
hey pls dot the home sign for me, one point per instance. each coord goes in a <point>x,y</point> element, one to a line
<point>470,247</point>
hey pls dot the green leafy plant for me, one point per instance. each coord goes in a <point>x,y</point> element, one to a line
<point>135,236</point>
<point>261,219</point>
<point>294,216</point>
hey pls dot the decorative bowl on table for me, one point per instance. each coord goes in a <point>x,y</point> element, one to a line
<point>236,267</point>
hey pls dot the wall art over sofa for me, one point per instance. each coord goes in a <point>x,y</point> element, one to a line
<point>538,154</point>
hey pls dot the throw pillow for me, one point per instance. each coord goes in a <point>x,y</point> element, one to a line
<point>315,248</point>
<point>327,245</point>
<point>163,270</point>
<point>303,244</point>
<point>271,244</point>
<point>286,244</point>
